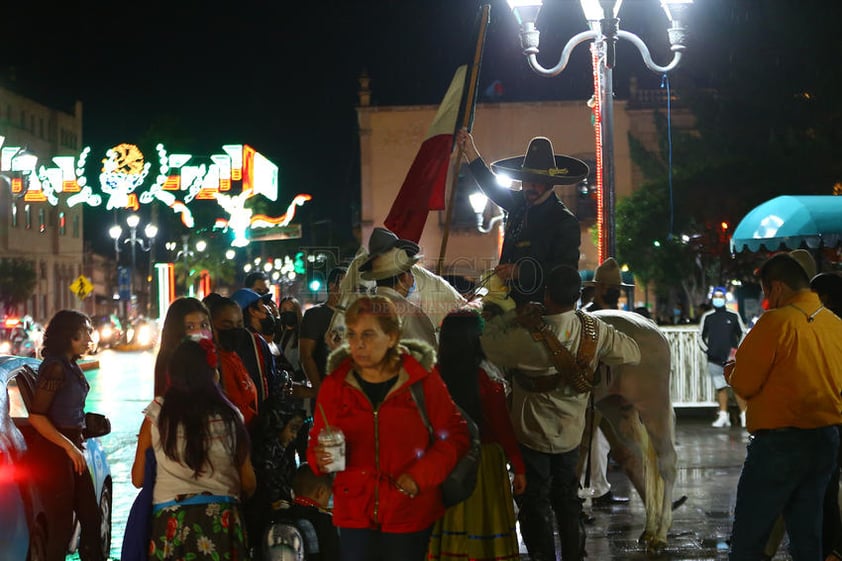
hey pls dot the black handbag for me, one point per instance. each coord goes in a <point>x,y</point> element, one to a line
<point>462,480</point>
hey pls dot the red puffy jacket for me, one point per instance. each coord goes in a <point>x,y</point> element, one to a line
<point>383,444</point>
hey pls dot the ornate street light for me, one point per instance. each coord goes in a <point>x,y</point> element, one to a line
<point>150,231</point>
<point>603,33</point>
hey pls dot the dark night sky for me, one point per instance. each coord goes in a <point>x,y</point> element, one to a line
<point>281,76</point>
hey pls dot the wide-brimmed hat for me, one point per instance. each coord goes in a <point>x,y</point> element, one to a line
<point>541,165</point>
<point>805,259</point>
<point>381,242</point>
<point>389,264</point>
<point>608,274</point>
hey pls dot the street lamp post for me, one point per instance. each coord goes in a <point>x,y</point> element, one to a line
<point>150,231</point>
<point>603,33</point>
<point>186,253</point>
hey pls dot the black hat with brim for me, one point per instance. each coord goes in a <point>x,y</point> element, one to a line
<point>540,165</point>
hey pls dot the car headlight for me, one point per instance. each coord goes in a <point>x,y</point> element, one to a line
<point>144,335</point>
<point>5,347</point>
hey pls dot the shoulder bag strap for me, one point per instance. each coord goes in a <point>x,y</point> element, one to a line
<point>418,396</point>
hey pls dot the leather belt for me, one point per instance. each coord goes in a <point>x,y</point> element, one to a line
<point>537,384</point>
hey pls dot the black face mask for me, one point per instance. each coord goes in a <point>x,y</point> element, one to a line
<point>231,339</point>
<point>267,325</point>
<point>289,319</point>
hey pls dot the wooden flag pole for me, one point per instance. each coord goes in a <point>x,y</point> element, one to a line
<point>467,119</point>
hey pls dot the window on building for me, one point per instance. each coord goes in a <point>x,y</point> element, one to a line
<point>41,127</point>
<point>42,220</point>
<point>32,124</point>
<point>76,226</point>
<point>22,119</point>
<point>62,224</point>
<point>42,266</point>
<point>51,131</point>
<point>9,113</point>
<point>27,217</point>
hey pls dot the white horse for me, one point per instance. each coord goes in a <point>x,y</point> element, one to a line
<point>636,402</point>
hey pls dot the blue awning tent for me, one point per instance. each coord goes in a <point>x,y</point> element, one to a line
<point>790,222</point>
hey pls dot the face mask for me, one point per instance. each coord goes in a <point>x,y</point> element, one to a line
<point>205,334</point>
<point>718,302</point>
<point>231,339</point>
<point>289,319</point>
<point>267,325</point>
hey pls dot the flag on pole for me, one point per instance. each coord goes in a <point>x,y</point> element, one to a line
<point>423,189</point>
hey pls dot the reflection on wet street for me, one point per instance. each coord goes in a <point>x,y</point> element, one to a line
<point>709,462</point>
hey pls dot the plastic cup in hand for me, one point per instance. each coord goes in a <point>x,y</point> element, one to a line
<point>333,441</point>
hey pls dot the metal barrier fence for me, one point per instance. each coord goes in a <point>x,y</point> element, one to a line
<point>690,385</point>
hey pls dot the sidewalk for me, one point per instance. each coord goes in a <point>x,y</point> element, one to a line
<point>709,463</point>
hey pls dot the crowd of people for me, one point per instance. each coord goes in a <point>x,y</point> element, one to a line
<point>264,424</point>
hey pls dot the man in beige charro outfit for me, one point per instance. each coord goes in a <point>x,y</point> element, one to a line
<point>548,412</point>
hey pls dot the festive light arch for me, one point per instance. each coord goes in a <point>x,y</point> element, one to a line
<point>230,178</point>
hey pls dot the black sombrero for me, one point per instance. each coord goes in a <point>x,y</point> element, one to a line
<point>540,165</point>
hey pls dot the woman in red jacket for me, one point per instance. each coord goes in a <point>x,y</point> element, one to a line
<point>387,497</point>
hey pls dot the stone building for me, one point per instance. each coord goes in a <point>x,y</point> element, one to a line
<point>48,236</point>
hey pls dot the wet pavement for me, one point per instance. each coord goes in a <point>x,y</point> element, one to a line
<point>709,463</point>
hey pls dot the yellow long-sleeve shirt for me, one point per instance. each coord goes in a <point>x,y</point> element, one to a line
<point>789,367</point>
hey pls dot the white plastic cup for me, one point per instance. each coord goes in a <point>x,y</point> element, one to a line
<point>333,441</point>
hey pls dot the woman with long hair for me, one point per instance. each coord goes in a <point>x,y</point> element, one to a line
<point>58,414</point>
<point>388,495</point>
<point>203,464</point>
<point>185,316</point>
<point>483,526</point>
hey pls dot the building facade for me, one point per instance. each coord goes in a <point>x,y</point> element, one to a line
<point>49,237</point>
<point>390,138</point>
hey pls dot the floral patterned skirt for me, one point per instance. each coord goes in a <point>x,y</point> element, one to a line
<point>204,531</point>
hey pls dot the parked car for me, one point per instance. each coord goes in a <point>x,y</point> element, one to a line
<point>36,519</point>
<point>107,333</point>
<point>142,333</point>
<point>20,336</point>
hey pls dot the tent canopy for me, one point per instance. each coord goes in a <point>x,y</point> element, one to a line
<point>790,222</point>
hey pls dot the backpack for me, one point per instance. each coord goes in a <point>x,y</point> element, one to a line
<point>462,480</point>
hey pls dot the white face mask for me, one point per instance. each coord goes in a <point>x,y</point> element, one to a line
<point>718,302</point>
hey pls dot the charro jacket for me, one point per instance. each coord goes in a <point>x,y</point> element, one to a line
<point>538,237</point>
<point>384,443</point>
<point>551,422</point>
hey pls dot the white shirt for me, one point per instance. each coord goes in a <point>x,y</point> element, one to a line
<point>174,478</point>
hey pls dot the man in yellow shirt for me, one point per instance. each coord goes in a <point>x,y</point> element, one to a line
<point>789,370</point>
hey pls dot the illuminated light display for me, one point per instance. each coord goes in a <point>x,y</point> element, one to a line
<point>602,238</point>
<point>181,178</point>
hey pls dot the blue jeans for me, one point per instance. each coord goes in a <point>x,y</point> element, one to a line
<point>551,487</point>
<point>372,545</point>
<point>785,472</point>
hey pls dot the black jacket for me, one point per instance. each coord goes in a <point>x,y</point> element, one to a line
<point>722,331</point>
<point>537,238</point>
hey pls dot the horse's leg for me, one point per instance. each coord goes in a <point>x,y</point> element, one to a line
<point>623,437</point>
<point>661,435</point>
<point>634,451</point>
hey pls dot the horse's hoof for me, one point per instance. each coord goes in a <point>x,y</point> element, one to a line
<point>645,538</point>
<point>655,548</point>
<point>677,503</point>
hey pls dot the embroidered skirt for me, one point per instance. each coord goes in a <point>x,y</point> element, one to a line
<point>483,526</point>
<point>211,530</point>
